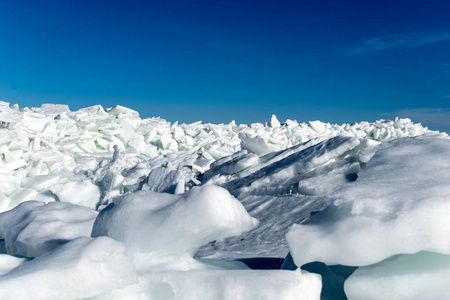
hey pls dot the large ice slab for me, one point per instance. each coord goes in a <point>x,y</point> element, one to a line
<point>291,183</point>
<point>399,204</point>
<point>282,174</point>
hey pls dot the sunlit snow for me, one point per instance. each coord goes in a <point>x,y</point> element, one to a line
<point>102,204</point>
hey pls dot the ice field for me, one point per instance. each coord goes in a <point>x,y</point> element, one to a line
<point>101,204</point>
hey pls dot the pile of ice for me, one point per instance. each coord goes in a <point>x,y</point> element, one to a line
<point>101,204</point>
<point>45,146</point>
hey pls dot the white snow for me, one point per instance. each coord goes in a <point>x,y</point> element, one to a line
<point>173,225</point>
<point>398,204</point>
<point>101,204</point>
<point>291,183</point>
<point>9,262</point>
<point>82,268</point>
<point>34,228</point>
<point>82,192</point>
<point>225,285</point>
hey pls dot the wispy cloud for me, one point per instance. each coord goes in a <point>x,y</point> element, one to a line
<point>377,44</point>
<point>433,118</point>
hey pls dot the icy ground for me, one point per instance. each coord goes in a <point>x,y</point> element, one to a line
<point>101,204</point>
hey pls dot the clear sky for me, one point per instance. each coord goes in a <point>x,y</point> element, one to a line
<point>215,61</point>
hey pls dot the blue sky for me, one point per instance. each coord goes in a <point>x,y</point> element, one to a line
<point>215,61</point>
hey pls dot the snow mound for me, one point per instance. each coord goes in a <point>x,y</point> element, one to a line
<point>34,228</point>
<point>226,285</point>
<point>165,224</point>
<point>397,207</point>
<point>81,268</point>
<point>378,215</point>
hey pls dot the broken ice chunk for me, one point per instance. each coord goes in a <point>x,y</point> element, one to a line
<point>40,182</point>
<point>274,123</point>
<point>81,192</point>
<point>254,144</point>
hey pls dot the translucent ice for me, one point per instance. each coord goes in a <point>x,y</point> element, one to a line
<point>423,275</point>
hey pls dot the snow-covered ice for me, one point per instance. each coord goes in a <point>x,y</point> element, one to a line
<point>397,205</point>
<point>102,204</point>
<point>81,268</point>
<point>34,228</point>
<point>225,285</point>
<point>156,227</point>
<point>423,275</point>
